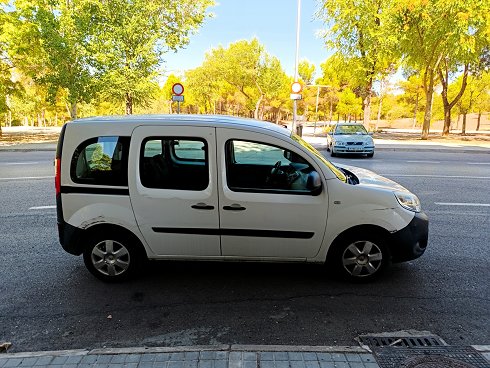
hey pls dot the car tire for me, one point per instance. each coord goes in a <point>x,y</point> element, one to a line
<point>358,258</point>
<point>332,153</point>
<point>112,258</point>
<point>370,155</point>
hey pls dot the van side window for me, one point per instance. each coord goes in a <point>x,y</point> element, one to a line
<point>174,163</point>
<point>259,167</point>
<point>101,161</point>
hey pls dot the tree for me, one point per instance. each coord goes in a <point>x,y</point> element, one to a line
<point>476,96</point>
<point>361,31</point>
<point>413,91</point>
<point>130,38</point>
<point>47,41</point>
<point>306,71</point>
<point>438,37</point>
<point>349,105</point>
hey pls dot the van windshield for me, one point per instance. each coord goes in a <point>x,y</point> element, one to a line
<point>340,175</point>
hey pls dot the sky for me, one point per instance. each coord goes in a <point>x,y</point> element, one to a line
<point>272,22</point>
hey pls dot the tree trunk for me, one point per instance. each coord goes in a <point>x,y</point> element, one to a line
<point>380,106</point>
<point>367,106</point>
<point>129,104</point>
<point>449,105</point>
<point>428,111</point>
<point>478,121</point>
<point>457,121</point>
<point>463,128</point>
<point>73,110</point>
<point>414,123</point>
<point>257,107</point>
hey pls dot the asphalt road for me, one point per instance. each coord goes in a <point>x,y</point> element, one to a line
<point>49,301</point>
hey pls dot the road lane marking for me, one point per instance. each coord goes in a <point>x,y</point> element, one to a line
<point>478,163</point>
<point>424,162</point>
<point>42,207</point>
<point>463,204</point>
<point>27,178</point>
<point>21,163</point>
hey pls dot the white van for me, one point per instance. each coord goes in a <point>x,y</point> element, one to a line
<point>186,187</point>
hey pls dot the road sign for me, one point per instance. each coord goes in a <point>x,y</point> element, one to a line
<point>177,98</point>
<point>296,87</point>
<point>296,96</point>
<point>177,89</point>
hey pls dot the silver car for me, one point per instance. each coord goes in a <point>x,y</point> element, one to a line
<point>349,138</point>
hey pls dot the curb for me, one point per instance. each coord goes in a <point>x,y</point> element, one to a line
<point>484,349</point>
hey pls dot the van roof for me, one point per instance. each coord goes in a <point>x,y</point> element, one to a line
<point>184,119</point>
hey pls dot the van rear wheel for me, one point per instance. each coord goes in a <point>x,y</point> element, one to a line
<point>360,258</point>
<point>111,258</point>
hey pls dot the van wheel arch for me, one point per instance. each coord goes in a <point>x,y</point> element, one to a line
<point>119,235</point>
<point>379,237</point>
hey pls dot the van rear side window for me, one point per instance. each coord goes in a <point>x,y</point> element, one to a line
<point>101,161</point>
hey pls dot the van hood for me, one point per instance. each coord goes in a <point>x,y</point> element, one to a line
<point>371,179</point>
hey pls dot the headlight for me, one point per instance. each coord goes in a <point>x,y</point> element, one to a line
<point>339,143</point>
<point>409,201</point>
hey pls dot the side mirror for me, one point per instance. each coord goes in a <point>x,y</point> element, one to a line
<point>293,157</point>
<point>313,182</point>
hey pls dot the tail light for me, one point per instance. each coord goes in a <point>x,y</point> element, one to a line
<point>57,175</point>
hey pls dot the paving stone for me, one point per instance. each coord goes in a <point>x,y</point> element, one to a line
<point>118,359</point>
<point>327,364</point>
<point>282,364</point>
<point>59,360</point>
<point>266,355</point>
<point>89,359</point>
<point>312,364</point>
<point>310,356</point>
<point>235,356</point>
<point>267,364</point>
<point>353,357</point>
<point>294,356</point>
<point>368,358</point>
<point>70,365</point>
<point>75,359</point>
<point>281,356</point>
<point>175,364</point>
<point>104,359</point>
<point>205,364</point>
<point>250,356</point>
<point>100,365</point>
<point>148,357</point>
<point>325,357</point>
<point>177,356</point>
<point>356,365</point>
<point>221,355</point>
<point>207,355</point>
<point>297,364</point>
<point>249,364</point>
<point>339,357</point>
<point>28,362</point>
<point>192,355</point>
<point>44,360</point>
<point>189,364</point>
<point>130,365</point>
<point>371,365</point>
<point>162,357</point>
<point>221,363</point>
<point>145,364</point>
<point>341,365</point>
<point>133,358</point>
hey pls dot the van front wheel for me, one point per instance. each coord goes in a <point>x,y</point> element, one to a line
<point>360,260</point>
<point>111,259</point>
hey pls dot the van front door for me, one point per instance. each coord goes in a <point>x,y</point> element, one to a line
<point>267,208</point>
<point>172,185</point>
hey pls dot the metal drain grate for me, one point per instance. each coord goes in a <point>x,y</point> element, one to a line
<point>405,341</point>
<point>433,357</point>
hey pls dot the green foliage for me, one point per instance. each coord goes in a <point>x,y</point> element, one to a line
<point>306,71</point>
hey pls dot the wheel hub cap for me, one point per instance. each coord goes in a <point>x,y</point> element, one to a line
<point>362,258</point>
<point>110,258</point>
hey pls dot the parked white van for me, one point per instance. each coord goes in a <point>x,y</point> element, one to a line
<point>187,187</point>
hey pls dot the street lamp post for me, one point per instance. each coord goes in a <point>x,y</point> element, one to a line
<point>317,98</point>
<point>298,22</point>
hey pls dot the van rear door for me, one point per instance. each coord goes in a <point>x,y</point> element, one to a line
<point>173,191</point>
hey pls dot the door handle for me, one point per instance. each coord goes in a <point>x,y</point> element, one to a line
<point>234,207</point>
<point>202,206</point>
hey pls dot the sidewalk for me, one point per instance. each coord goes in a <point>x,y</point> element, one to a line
<point>222,356</point>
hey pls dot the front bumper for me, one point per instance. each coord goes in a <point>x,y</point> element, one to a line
<point>411,241</point>
<point>354,149</point>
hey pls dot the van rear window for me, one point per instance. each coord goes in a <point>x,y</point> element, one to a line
<point>101,161</point>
